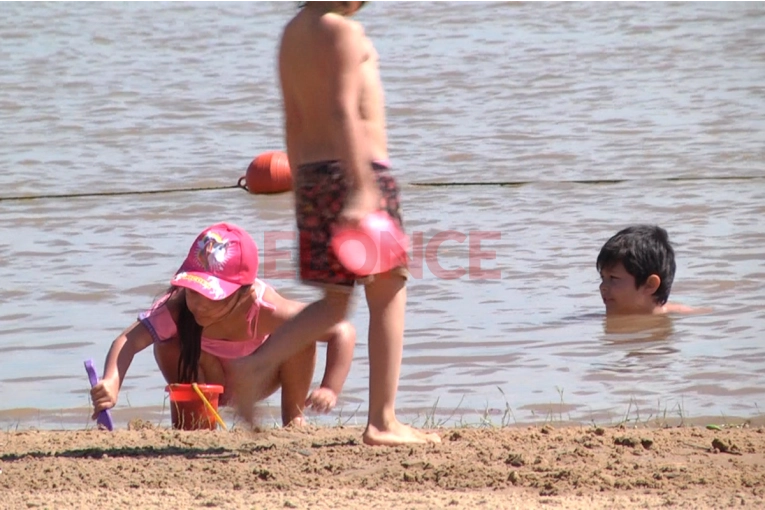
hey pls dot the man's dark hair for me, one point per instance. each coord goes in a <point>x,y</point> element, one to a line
<point>643,250</point>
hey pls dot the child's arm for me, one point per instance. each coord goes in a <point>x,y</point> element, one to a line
<point>340,344</point>
<point>131,341</point>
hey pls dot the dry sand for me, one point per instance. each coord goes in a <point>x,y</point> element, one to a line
<point>537,466</point>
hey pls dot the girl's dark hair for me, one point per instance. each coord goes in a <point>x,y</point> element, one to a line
<point>190,339</point>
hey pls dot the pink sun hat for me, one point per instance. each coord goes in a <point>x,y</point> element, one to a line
<point>222,259</point>
<point>376,246</point>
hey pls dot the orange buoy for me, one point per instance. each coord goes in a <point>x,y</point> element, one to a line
<point>268,173</point>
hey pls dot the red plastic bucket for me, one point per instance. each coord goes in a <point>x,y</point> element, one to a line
<point>188,411</point>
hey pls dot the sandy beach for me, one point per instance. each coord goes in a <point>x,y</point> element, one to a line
<point>537,466</point>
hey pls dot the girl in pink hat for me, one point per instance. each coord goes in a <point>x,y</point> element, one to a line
<point>214,316</point>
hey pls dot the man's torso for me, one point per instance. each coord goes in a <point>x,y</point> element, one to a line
<point>307,89</point>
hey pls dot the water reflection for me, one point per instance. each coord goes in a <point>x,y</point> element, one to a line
<point>637,329</point>
<point>646,342</point>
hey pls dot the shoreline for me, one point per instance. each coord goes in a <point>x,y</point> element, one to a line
<point>534,466</point>
<point>78,418</point>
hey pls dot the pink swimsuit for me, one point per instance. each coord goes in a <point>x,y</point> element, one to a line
<point>162,327</point>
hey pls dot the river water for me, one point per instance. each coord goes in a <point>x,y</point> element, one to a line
<point>663,104</point>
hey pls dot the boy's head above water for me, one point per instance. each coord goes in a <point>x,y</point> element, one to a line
<point>637,267</point>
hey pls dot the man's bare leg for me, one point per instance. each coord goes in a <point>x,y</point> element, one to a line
<point>386,298</point>
<point>295,335</point>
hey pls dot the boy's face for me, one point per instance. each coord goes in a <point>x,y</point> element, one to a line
<point>617,288</point>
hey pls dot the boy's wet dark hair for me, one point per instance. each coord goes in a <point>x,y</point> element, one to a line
<point>302,3</point>
<point>643,250</point>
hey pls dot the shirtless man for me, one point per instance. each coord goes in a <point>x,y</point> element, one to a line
<point>337,148</point>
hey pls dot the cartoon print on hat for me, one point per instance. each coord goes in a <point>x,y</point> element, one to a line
<point>212,251</point>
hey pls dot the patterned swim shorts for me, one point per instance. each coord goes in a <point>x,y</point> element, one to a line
<point>320,191</point>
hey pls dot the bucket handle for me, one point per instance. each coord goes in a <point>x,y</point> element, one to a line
<point>209,406</point>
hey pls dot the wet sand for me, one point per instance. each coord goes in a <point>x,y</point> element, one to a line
<point>537,466</point>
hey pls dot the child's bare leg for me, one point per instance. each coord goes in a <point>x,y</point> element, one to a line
<point>295,376</point>
<point>295,335</point>
<point>168,353</point>
<point>386,298</point>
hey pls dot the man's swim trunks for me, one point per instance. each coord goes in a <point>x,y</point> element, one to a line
<point>320,193</point>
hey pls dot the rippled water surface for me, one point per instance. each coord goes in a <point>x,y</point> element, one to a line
<point>113,97</point>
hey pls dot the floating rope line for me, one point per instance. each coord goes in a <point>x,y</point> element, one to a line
<point>594,181</point>
<point>243,186</point>
<point>119,193</point>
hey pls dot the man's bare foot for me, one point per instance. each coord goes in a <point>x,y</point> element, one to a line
<point>397,434</point>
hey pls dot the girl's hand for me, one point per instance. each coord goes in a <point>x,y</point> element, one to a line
<point>104,395</point>
<point>321,400</point>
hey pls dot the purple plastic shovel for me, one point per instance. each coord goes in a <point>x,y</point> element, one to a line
<point>104,417</point>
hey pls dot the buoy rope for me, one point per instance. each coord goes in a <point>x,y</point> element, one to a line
<point>120,193</point>
<point>593,181</point>
<point>242,185</point>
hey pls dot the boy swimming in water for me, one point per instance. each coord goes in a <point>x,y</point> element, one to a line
<point>637,268</point>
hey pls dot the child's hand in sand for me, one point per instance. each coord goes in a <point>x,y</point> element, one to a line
<point>104,395</point>
<point>321,400</point>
